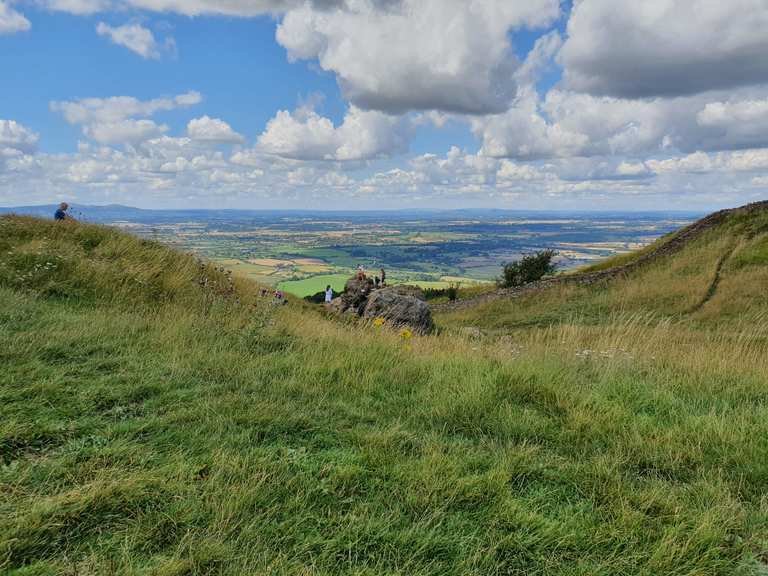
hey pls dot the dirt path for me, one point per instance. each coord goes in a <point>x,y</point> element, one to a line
<point>712,290</point>
<point>674,245</point>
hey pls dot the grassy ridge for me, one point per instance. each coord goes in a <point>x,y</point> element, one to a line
<point>732,258</point>
<point>155,422</point>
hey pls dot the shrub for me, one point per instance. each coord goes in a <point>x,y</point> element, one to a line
<point>319,297</point>
<point>453,292</point>
<point>530,268</point>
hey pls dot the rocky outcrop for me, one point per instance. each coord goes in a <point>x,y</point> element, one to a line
<point>355,295</point>
<point>402,306</point>
<point>400,310</point>
<point>407,290</point>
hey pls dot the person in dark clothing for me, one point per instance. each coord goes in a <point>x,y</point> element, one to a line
<point>61,213</point>
<point>383,278</point>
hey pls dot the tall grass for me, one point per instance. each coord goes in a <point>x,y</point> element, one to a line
<point>174,427</point>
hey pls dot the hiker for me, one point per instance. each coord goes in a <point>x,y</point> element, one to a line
<point>383,278</point>
<point>328,294</point>
<point>376,282</point>
<point>61,213</point>
<point>360,272</point>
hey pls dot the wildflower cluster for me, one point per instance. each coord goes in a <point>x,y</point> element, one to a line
<point>27,269</point>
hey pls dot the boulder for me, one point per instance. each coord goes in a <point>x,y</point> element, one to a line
<point>355,294</point>
<point>398,305</point>
<point>400,310</point>
<point>337,305</point>
<point>407,290</point>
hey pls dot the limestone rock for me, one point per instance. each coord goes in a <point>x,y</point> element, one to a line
<point>400,310</point>
<point>406,290</point>
<point>355,294</point>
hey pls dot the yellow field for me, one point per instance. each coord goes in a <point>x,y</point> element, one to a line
<point>272,262</point>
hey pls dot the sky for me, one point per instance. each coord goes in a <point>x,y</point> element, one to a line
<point>384,104</point>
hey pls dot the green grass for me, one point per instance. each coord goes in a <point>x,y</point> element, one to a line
<point>314,284</point>
<point>156,423</point>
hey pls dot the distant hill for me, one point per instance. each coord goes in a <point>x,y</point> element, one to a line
<point>159,417</point>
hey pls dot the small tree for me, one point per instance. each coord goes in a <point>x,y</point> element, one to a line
<point>530,268</point>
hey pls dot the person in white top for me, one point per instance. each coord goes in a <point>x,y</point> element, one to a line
<point>328,294</point>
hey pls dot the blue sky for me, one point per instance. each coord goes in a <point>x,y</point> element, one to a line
<point>384,103</point>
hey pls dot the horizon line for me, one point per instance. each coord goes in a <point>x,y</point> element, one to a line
<point>366,210</point>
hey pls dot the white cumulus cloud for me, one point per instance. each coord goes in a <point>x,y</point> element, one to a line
<point>135,37</point>
<point>79,7</point>
<point>213,130</point>
<point>449,55</point>
<point>14,136</point>
<point>12,21</point>
<point>566,124</point>
<point>665,47</point>
<point>304,134</point>
<point>121,119</point>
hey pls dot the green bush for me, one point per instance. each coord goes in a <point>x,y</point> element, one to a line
<point>530,268</point>
<point>453,292</point>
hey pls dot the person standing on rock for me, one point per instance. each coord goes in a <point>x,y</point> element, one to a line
<point>383,278</point>
<point>328,294</point>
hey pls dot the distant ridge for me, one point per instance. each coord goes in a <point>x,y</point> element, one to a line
<point>105,213</point>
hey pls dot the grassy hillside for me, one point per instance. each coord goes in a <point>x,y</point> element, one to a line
<point>719,277</point>
<point>160,419</point>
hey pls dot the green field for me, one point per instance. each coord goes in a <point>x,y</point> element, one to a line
<point>158,420</point>
<point>315,284</point>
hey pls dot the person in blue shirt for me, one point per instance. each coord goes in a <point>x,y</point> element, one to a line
<point>61,213</point>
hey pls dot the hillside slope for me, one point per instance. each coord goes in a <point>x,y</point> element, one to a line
<point>716,268</point>
<point>158,418</point>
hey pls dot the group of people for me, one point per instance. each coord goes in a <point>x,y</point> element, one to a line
<point>373,283</point>
<point>378,281</point>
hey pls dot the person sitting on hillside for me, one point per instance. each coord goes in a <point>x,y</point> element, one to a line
<point>328,294</point>
<point>61,213</point>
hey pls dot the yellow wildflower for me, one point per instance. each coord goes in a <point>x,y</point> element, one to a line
<point>378,322</point>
